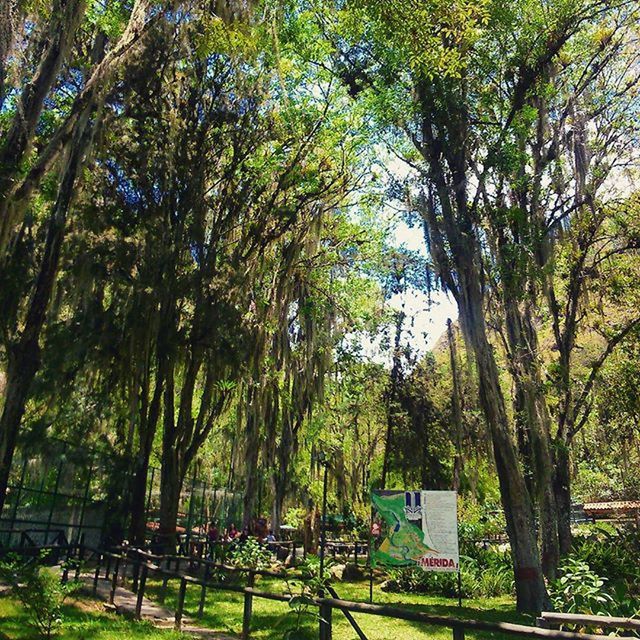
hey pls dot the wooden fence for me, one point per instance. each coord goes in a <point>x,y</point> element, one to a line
<point>116,563</point>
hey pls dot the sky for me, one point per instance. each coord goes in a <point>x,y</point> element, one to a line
<point>429,318</point>
<point>426,317</point>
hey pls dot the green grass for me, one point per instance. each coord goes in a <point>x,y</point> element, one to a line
<point>223,612</point>
<point>270,620</point>
<point>84,620</point>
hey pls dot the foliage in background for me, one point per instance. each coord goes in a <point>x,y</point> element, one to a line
<point>486,574</point>
<point>601,575</point>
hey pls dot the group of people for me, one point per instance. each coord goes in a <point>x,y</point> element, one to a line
<point>233,535</point>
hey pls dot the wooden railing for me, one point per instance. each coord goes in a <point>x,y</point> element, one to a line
<point>115,564</point>
<point>551,620</point>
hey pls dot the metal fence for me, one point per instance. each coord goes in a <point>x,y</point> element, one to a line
<point>62,489</point>
<point>200,503</point>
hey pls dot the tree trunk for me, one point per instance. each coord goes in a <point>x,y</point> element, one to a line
<point>392,396</point>
<point>65,17</point>
<point>251,471</point>
<point>455,406</point>
<point>138,525</point>
<point>531,593</point>
<point>8,24</point>
<point>148,426</point>
<point>14,192</point>
<point>24,361</point>
<point>276,513</point>
<point>279,483</point>
<point>534,427</point>
<point>562,490</point>
<point>171,480</point>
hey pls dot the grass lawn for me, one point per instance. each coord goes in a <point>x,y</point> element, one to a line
<point>223,612</point>
<point>84,620</point>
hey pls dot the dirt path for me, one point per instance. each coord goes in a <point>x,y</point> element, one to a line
<point>124,603</point>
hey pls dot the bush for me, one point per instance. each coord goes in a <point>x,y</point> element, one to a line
<point>39,590</point>
<point>294,517</point>
<point>488,574</point>
<point>414,580</point>
<point>579,589</point>
<point>477,521</point>
<point>601,576</point>
<point>302,593</point>
<point>612,554</point>
<point>251,554</point>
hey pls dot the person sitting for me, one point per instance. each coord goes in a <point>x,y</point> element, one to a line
<point>232,533</point>
<point>270,539</point>
<point>212,538</point>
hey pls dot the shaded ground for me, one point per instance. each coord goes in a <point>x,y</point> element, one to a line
<point>84,620</point>
<point>223,614</point>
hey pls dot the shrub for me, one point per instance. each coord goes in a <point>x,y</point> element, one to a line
<point>612,554</point>
<point>294,517</point>
<point>302,593</point>
<point>414,580</point>
<point>579,589</point>
<point>487,575</point>
<point>251,554</point>
<point>582,589</point>
<point>39,590</point>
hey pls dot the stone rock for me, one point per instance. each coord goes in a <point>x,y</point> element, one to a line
<point>346,572</point>
<point>390,586</point>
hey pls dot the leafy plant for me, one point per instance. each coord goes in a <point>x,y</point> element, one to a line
<point>486,574</point>
<point>251,554</point>
<point>302,593</point>
<point>294,517</point>
<point>39,590</point>
<point>580,590</point>
<point>612,554</point>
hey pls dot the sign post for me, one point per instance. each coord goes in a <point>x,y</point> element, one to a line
<point>416,529</point>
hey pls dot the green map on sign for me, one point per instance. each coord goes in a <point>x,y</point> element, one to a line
<point>401,542</point>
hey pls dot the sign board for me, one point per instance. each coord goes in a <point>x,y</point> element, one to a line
<point>415,529</point>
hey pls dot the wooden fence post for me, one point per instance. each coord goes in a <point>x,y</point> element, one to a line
<point>203,592</point>
<point>135,571</point>
<point>80,559</point>
<point>325,622</point>
<point>458,632</point>
<point>96,575</point>
<point>163,589</point>
<point>114,580</point>
<point>141,585</point>
<point>181,595</point>
<point>248,606</point>
<point>123,579</point>
<point>542,623</point>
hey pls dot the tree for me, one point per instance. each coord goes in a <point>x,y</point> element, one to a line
<point>68,145</point>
